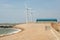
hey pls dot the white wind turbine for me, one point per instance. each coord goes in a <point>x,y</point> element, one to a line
<point>28,12</point>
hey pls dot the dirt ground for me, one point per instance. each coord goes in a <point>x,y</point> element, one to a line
<point>32,31</point>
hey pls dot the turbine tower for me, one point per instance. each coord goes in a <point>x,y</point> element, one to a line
<point>28,12</point>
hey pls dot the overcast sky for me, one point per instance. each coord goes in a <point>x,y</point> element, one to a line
<point>14,10</point>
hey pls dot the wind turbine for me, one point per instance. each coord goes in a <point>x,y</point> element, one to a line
<point>28,12</point>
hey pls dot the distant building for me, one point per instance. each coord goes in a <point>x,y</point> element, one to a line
<point>46,20</point>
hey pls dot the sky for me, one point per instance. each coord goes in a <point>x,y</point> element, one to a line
<point>14,11</point>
